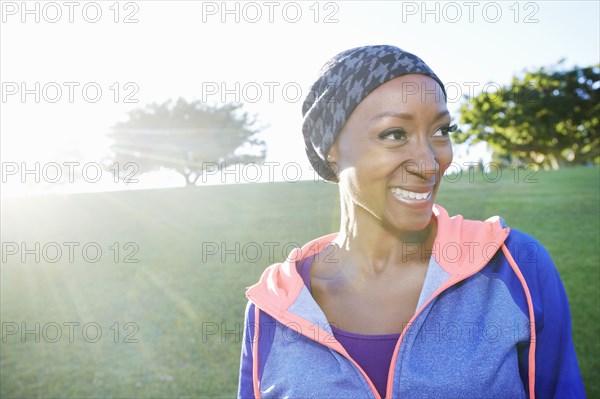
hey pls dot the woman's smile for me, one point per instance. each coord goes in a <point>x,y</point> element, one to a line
<point>408,196</point>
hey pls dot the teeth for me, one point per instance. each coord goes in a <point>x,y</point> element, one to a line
<point>398,192</point>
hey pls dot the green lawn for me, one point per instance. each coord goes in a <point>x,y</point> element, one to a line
<point>185,297</point>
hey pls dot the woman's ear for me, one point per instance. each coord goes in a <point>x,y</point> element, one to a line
<point>332,163</point>
<point>332,155</point>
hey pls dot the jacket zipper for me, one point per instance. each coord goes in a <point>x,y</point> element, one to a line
<point>451,282</point>
<point>278,315</point>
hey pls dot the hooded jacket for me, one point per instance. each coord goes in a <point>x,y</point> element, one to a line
<point>492,321</point>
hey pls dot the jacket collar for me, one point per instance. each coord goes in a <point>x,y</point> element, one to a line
<point>462,247</point>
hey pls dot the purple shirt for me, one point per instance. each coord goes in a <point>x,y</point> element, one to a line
<point>373,353</point>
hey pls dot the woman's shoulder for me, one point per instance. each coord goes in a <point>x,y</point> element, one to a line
<point>538,269</point>
<point>527,250</point>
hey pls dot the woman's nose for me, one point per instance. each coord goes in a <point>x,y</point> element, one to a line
<point>423,163</point>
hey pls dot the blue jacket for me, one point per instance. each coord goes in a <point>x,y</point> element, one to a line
<point>492,321</point>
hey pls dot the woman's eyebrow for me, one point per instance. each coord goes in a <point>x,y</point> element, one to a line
<point>406,116</point>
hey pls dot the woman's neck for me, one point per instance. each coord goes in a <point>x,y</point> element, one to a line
<point>373,246</point>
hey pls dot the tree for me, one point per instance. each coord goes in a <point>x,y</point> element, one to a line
<point>549,117</point>
<point>187,137</point>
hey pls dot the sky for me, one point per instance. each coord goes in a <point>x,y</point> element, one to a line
<point>70,71</point>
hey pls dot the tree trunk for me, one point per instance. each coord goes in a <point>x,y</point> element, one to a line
<point>188,181</point>
<point>196,178</point>
<point>553,161</point>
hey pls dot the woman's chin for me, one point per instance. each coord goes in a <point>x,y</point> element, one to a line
<point>408,224</point>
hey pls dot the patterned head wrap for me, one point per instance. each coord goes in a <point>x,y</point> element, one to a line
<point>344,81</point>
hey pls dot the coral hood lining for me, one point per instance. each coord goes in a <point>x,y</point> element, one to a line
<point>461,247</point>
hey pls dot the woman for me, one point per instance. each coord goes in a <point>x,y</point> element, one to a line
<point>404,301</point>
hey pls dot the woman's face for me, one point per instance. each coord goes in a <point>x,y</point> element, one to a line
<point>393,151</point>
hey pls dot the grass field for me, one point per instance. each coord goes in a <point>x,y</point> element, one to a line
<point>196,251</point>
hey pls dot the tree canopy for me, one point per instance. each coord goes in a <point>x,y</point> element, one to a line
<point>186,137</point>
<point>549,117</point>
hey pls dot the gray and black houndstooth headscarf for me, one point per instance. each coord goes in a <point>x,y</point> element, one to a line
<point>345,81</point>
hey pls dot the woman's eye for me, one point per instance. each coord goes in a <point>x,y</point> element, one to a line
<point>445,130</point>
<point>393,134</point>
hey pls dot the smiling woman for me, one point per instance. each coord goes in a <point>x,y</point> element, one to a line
<point>404,300</point>
<point>391,151</point>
